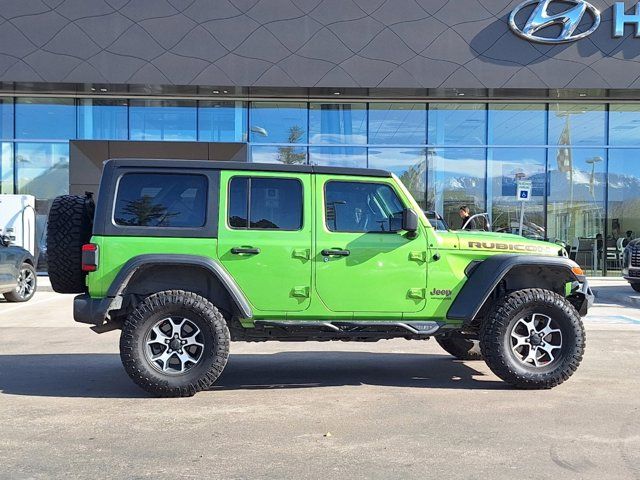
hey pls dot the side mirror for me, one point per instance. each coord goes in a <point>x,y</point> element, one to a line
<point>6,240</point>
<point>409,220</point>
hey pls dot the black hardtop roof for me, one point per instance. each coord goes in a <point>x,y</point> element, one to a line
<point>252,167</point>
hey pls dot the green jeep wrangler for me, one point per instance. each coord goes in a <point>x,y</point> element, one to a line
<point>184,256</point>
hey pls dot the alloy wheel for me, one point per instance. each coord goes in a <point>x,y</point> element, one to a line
<point>536,340</point>
<point>174,345</point>
<point>26,283</point>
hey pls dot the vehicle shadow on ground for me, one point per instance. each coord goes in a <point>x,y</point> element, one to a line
<point>102,375</point>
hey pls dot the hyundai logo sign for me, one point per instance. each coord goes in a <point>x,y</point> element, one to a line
<point>577,21</point>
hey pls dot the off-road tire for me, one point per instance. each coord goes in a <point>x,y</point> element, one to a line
<point>460,347</point>
<point>68,228</point>
<point>183,304</point>
<point>14,296</point>
<point>636,286</point>
<point>495,340</point>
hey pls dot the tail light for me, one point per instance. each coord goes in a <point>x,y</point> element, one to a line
<point>89,257</point>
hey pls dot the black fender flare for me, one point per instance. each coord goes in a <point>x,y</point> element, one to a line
<point>486,276</point>
<point>135,264</point>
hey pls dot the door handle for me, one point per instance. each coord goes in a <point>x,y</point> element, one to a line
<point>335,252</point>
<point>245,251</point>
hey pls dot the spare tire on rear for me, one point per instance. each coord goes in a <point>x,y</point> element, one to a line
<point>69,227</point>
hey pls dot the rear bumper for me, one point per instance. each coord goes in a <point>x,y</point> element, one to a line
<point>92,311</point>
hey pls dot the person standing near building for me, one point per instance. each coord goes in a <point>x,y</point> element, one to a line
<point>467,223</point>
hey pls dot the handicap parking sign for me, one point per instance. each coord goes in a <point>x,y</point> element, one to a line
<point>524,190</point>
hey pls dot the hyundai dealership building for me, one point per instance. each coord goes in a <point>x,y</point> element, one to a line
<point>460,98</point>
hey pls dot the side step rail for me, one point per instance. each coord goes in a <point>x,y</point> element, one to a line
<point>340,327</point>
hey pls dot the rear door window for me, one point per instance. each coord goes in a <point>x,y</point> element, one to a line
<point>260,203</point>
<point>161,200</point>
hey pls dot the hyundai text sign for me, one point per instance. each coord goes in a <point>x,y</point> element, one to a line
<point>563,21</point>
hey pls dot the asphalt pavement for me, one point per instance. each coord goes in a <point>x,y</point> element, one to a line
<point>386,410</point>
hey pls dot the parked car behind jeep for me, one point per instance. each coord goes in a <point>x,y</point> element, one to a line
<point>18,278</point>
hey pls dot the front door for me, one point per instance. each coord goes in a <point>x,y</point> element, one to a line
<point>364,261</point>
<point>264,237</point>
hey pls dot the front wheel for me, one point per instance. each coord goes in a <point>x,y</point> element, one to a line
<point>533,339</point>
<point>636,286</point>
<point>26,287</point>
<point>174,344</point>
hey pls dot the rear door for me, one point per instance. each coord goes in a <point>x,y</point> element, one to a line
<point>264,237</point>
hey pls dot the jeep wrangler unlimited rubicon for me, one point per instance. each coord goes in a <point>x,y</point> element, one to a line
<point>185,256</point>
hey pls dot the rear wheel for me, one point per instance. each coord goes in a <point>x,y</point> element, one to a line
<point>174,344</point>
<point>26,287</point>
<point>533,339</point>
<point>460,347</point>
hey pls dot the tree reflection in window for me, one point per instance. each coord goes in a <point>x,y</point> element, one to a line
<point>161,200</point>
<point>143,212</point>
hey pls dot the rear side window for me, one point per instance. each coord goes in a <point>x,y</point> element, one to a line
<point>265,203</point>
<point>161,200</point>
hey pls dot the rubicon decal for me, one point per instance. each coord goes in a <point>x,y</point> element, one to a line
<point>509,247</point>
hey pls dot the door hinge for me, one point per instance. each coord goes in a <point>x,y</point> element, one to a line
<point>302,292</point>
<point>301,253</point>
<point>418,256</point>
<point>417,293</point>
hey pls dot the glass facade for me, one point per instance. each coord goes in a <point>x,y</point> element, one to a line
<point>583,159</point>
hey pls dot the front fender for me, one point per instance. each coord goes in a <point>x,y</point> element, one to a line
<point>550,272</point>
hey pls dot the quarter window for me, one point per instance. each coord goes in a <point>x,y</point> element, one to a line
<point>265,203</point>
<point>161,200</point>
<point>362,207</point>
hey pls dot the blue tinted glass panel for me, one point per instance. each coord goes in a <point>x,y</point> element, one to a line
<point>397,123</point>
<point>624,124</point>
<point>158,200</point>
<point>6,167</point>
<point>576,124</point>
<point>507,166</point>
<point>457,123</point>
<point>100,119</point>
<point>45,118</point>
<point>287,154</point>
<point>624,199</point>
<point>162,120</point>
<point>456,178</point>
<point>339,156</point>
<point>336,123</point>
<point>575,205</point>
<point>222,121</point>
<point>517,124</point>
<point>42,169</point>
<point>6,118</point>
<point>409,164</point>
<point>278,122</point>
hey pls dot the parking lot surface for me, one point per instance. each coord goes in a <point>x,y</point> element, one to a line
<point>392,409</point>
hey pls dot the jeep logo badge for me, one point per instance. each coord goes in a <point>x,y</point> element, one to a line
<point>568,20</point>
